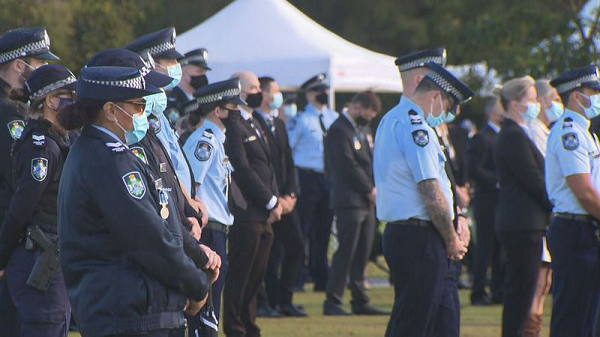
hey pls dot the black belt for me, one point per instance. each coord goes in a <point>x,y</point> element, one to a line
<point>307,170</point>
<point>216,226</point>
<point>413,222</point>
<point>575,217</point>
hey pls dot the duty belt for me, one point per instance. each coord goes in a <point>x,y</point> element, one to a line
<point>575,217</point>
<point>218,227</point>
<point>413,222</point>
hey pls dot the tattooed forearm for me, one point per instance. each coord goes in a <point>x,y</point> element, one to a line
<point>437,208</point>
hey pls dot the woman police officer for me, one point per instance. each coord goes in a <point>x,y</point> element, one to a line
<point>35,280</point>
<point>121,243</point>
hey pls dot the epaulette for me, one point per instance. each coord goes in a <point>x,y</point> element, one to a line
<point>116,147</point>
<point>415,118</point>
<point>38,140</point>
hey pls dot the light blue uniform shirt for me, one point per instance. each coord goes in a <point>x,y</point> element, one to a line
<point>212,170</point>
<point>407,151</point>
<point>570,150</point>
<point>169,140</point>
<point>306,137</point>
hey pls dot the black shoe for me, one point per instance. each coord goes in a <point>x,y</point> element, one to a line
<point>481,301</point>
<point>291,310</point>
<point>332,309</point>
<point>369,310</point>
<point>267,312</point>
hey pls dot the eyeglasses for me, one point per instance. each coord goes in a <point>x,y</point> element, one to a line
<point>140,106</point>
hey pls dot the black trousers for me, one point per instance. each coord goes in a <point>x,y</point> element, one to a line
<point>576,277</point>
<point>355,232</point>
<point>249,249</point>
<point>523,251</point>
<point>316,218</point>
<point>487,251</point>
<point>425,293</point>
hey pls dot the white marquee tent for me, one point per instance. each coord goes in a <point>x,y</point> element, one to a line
<point>274,38</point>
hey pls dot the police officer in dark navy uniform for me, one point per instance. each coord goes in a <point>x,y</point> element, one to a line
<point>119,231</point>
<point>35,282</point>
<point>21,51</point>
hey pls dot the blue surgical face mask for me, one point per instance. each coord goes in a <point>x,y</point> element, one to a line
<point>434,121</point>
<point>594,109</point>
<point>140,127</point>
<point>157,102</point>
<point>533,110</point>
<point>290,110</point>
<point>450,117</point>
<point>277,101</point>
<point>554,112</point>
<point>175,72</point>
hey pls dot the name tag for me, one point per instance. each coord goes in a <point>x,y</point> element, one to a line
<point>250,139</point>
<point>162,167</point>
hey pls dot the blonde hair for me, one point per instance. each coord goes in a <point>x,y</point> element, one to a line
<point>515,89</point>
<point>543,87</point>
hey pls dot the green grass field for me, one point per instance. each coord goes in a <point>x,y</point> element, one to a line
<point>475,321</point>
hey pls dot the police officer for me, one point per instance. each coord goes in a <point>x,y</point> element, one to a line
<point>212,169</point>
<point>38,292</point>
<point>415,198</point>
<point>120,235</point>
<point>306,133</point>
<point>573,184</point>
<point>21,51</point>
<point>194,69</point>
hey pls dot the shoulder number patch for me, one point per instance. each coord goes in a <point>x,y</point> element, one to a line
<point>140,153</point>
<point>134,184</point>
<point>415,118</point>
<point>420,137</point>
<point>203,151</point>
<point>15,128</point>
<point>570,141</point>
<point>39,168</point>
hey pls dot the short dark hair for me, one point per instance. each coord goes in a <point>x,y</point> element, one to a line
<point>265,82</point>
<point>368,100</point>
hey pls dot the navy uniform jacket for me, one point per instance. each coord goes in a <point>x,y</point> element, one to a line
<point>124,266</point>
<point>350,163</point>
<point>38,161</point>
<point>12,125</point>
<point>250,157</point>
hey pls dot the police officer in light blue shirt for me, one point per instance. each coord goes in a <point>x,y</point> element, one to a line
<point>414,196</point>
<point>306,132</point>
<point>211,167</point>
<point>573,184</point>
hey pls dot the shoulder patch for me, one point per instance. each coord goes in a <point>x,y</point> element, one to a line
<point>567,123</point>
<point>116,147</point>
<point>420,137</point>
<point>155,124</point>
<point>140,153</point>
<point>203,151</point>
<point>134,184</point>
<point>208,133</point>
<point>172,115</point>
<point>570,141</point>
<point>39,168</point>
<point>38,140</point>
<point>15,128</point>
<point>415,118</point>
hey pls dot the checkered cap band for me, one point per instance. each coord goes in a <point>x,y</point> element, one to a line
<point>421,62</point>
<point>191,107</point>
<point>24,50</point>
<point>132,83</point>
<point>568,86</point>
<point>161,48</point>
<point>218,96</point>
<point>51,87</point>
<point>190,59</point>
<point>445,85</point>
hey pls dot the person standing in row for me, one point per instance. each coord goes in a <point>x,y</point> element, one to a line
<point>307,133</point>
<point>523,206</point>
<point>573,184</point>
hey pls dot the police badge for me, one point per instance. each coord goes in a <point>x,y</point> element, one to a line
<point>140,153</point>
<point>420,137</point>
<point>39,168</point>
<point>357,145</point>
<point>203,151</point>
<point>16,128</point>
<point>135,185</point>
<point>570,141</point>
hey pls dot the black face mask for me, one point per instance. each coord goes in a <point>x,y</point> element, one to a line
<point>322,98</point>
<point>254,100</point>
<point>198,82</point>
<point>232,117</point>
<point>361,121</point>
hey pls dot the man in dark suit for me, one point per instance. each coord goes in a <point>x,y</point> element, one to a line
<point>350,160</point>
<point>251,235</point>
<point>288,248</point>
<point>482,172</point>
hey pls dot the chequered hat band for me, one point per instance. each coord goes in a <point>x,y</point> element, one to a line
<point>23,51</point>
<point>568,86</point>
<point>190,59</point>
<point>191,107</point>
<point>161,48</point>
<point>219,96</point>
<point>420,62</point>
<point>445,85</point>
<point>51,87</point>
<point>132,83</point>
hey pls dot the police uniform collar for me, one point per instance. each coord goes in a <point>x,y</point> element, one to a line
<point>350,119</point>
<point>312,109</point>
<point>408,105</point>
<point>245,114</point>
<point>264,115</point>
<point>106,132</point>
<point>578,118</point>
<point>219,134</point>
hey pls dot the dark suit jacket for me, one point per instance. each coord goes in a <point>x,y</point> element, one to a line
<point>281,155</point>
<point>351,165</point>
<point>459,137</point>
<point>251,159</point>
<point>523,201</point>
<point>481,166</point>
